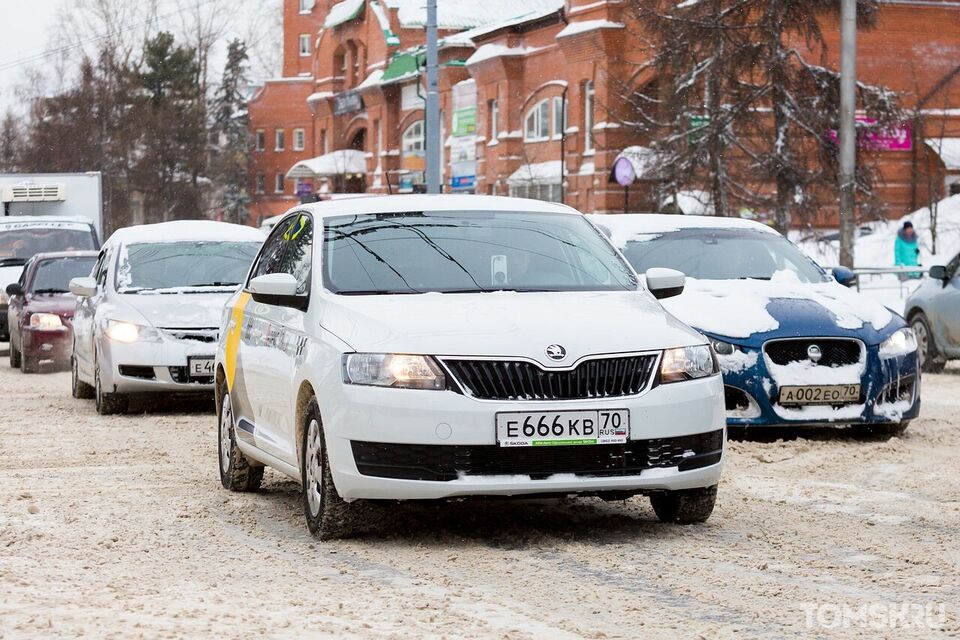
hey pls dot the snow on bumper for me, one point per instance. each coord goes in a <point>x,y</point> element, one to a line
<point>437,432</point>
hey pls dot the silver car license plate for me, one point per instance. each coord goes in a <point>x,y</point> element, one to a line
<point>200,367</point>
<point>555,428</point>
<point>820,394</point>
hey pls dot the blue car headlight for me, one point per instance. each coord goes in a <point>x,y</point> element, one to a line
<point>900,343</point>
<point>722,348</point>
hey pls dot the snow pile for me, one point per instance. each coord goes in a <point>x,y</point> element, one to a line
<point>804,373</point>
<point>737,361</point>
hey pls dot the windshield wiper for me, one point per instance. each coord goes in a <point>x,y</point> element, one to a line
<point>50,290</point>
<point>215,284</point>
<point>755,278</point>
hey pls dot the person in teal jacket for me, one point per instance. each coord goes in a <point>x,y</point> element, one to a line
<point>906,252</point>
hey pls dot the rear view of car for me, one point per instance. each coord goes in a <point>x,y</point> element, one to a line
<point>41,308</point>
<point>22,237</point>
<point>147,317</point>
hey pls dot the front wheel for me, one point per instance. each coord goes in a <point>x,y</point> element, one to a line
<point>14,357</point>
<point>78,388</point>
<point>930,359</point>
<point>686,506</point>
<point>29,364</point>
<point>236,472</point>
<point>107,403</point>
<point>328,515</point>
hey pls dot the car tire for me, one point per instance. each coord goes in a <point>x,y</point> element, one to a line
<point>887,430</point>
<point>107,403</point>
<point>78,388</point>
<point>328,515</point>
<point>14,357</point>
<point>930,359</point>
<point>685,506</point>
<point>237,473</point>
<point>28,364</point>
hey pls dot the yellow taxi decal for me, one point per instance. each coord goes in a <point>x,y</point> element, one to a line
<point>234,331</point>
<point>291,234</point>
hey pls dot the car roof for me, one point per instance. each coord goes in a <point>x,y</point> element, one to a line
<point>430,202</point>
<point>20,219</point>
<point>186,231</point>
<point>624,225</point>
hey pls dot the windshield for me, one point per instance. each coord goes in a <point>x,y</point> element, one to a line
<point>22,242</point>
<point>173,266</point>
<point>465,252</point>
<point>54,275</point>
<point>721,254</point>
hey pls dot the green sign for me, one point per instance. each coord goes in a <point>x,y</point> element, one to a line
<point>464,121</point>
<point>697,124</point>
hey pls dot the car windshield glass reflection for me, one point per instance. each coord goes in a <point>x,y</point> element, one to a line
<point>722,254</point>
<point>54,276</point>
<point>170,267</point>
<point>467,252</point>
<point>26,243</point>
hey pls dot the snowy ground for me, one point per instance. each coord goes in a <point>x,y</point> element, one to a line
<point>118,527</point>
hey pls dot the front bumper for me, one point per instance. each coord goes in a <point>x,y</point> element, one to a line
<point>451,438</point>
<point>890,393</point>
<point>46,344</point>
<point>153,367</point>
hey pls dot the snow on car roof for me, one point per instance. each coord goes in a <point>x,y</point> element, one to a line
<point>640,226</point>
<point>186,231</point>
<point>438,202</point>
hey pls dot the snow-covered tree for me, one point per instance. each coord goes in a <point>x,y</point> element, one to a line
<point>231,160</point>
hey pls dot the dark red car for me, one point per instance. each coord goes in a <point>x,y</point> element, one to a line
<point>41,308</point>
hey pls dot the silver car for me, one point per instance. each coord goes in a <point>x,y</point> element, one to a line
<point>934,313</point>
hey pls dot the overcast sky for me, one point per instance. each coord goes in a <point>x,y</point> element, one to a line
<point>29,31</point>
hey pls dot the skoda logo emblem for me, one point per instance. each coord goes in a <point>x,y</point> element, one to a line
<point>556,352</point>
<point>814,353</point>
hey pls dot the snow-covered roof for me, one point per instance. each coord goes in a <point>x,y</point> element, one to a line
<point>464,14</point>
<point>437,202</point>
<point>949,151</point>
<point>640,226</point>
<point>343,12</point>
<point>186,231</point>
<point>33,220</point>
<point>536,173</point>
<point>493,50</point>
<point>583,26</point>
<point>339,162</point>
<point>543,9</point>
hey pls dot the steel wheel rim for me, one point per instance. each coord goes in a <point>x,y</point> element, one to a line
<point>226,424</point>
<point>313,467</point>
<point>920,330</point>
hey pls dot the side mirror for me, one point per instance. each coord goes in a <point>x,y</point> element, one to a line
<point>665,283</point>
<point>279,289</point>
<point>937,272</point>
<point>14,289</point>
<point>844,276</point>
<point>83,287</point>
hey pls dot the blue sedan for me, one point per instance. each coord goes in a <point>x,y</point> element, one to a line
<point>795,345</point>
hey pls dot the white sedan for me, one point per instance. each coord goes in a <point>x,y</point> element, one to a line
<point>428,347</point>
<point>147,317</point>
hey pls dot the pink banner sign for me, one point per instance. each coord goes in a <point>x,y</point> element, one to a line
<point>896,138</point>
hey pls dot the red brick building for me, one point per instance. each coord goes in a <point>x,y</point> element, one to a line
<point>524,92</point>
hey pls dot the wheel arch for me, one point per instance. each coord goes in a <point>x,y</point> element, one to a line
<point>305,393</point>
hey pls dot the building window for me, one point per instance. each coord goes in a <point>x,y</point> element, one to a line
<point>559,116</point>
<point>260,186</point>
<point>306,6</point>
<point>547,192</point>
<point>261,140</point>
<point>537,122</point>
<point>299,139</point>
<point>588,115</point>
<point>278,183</point>
<point>494,110</point>
<point>304,45</point>
<point>279,140</point>
<point>413,140</point>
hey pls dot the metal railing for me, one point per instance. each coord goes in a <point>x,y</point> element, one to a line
<point>880,271</point>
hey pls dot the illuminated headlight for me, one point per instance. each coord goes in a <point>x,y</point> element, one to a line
<point>687,363</point>
<point>393,370</point>
<point>45,321</point>
<point>901,342</point>
<point>128,332</point>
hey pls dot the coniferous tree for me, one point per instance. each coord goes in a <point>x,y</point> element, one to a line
<point>231,161</point>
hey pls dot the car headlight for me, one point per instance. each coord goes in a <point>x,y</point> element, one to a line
<point>393,370</point>
<point>45,321</point>
<point>900,342</point>
<point>687,363</point>
<point>722,348</point>
<point>127,332</point>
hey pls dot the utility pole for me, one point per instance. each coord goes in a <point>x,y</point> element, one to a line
<point>848,133</point>
<point>434,158</point>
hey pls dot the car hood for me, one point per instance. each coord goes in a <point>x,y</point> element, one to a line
<point>176,311</point>
<point>507,324</point>
<point>61,304</point>
<point>749,312</point>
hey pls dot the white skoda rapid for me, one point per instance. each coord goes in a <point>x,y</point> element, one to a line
<point>425,347</point>
<point>147,317</point>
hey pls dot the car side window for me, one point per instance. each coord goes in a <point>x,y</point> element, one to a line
<point>296,260</point>
<point>268,261</point>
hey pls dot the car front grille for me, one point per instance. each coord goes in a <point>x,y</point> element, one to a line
<point>182,376</point>
<point>194,335</point>
<point>449,462</point>
<point>521,380</point>
<point>835,352</point>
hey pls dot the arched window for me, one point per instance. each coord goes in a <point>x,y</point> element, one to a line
<point>412,160</point>
<point>413,141</point>
<point>537,123</point>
